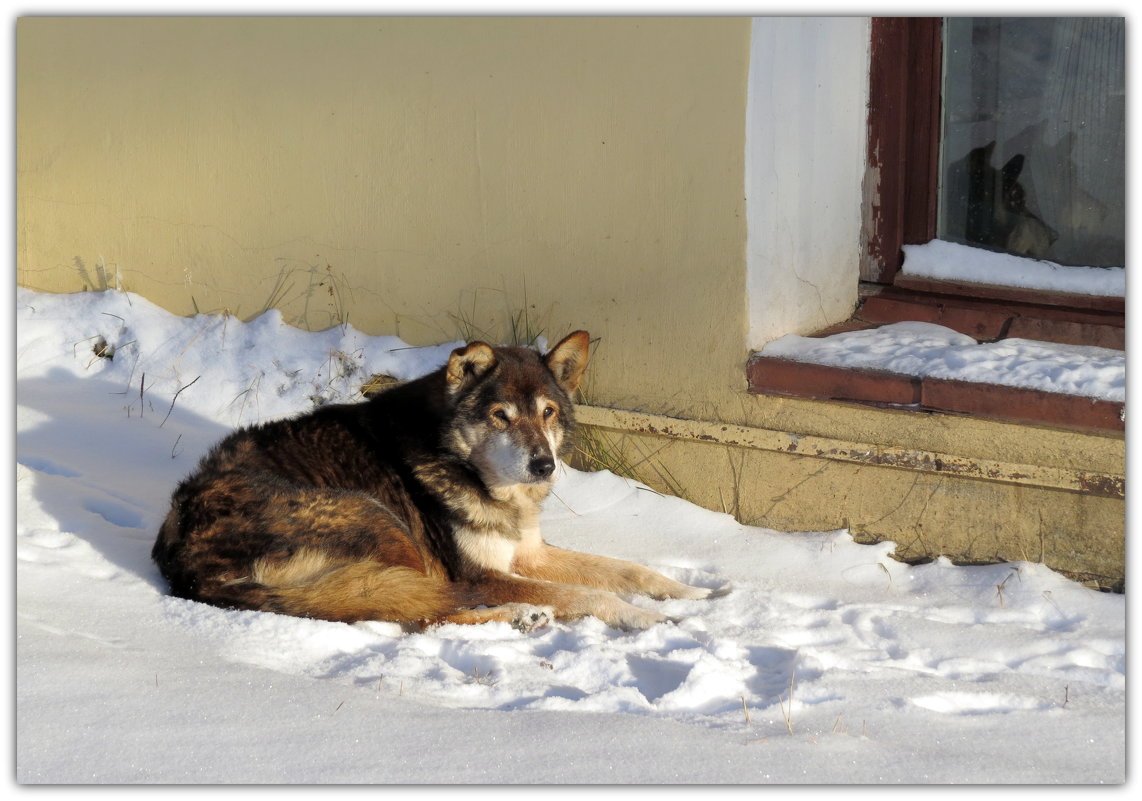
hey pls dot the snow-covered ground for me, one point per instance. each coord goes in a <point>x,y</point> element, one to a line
<point>955,262</point>
<point>829,662</point>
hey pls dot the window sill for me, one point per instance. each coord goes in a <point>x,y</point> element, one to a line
<point>1056,317</point>
<point>773,376</point>
<point>985,320</point>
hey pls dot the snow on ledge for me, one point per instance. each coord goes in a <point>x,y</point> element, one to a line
<point>929,350</point>
<point>949,261</point>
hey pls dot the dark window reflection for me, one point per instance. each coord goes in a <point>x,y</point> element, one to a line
<point>1034,137</point>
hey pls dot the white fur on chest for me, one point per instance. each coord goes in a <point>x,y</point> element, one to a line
<point>496,550</point>
<point>487,549</point>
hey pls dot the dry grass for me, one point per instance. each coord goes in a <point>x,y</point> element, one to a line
<point>787,712</point>
<point>625,456</point>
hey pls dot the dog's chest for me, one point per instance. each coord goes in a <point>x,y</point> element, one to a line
<point>489,550</point>
<point>496,547</point>
<point>496,534</point>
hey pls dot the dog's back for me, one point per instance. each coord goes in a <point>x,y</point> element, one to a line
<point>314,516</point>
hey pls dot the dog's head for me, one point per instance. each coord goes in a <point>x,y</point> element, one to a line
<point>512,408</point>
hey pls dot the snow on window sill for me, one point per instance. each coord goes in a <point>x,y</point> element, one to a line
<point>923,366</point>
<point>950,262</point>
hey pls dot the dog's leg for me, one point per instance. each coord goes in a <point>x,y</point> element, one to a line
<point>568,602</point>
<point>571,567</point>
<point>524,617</point>
<point>310,584</point>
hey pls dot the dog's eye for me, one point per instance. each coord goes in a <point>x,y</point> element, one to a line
<point>548,411</point>
<point>501,416</point>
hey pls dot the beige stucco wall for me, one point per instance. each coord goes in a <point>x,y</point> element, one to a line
<point>1049,495</point>
<point>425,177</point>
<point>438,178</point>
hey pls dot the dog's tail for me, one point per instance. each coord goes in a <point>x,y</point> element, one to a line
<point>310,584</point>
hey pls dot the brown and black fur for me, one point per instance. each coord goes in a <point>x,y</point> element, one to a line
<point>419,506</point>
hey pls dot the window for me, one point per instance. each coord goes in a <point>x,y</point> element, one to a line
<point>1033,144</point>
<point>1006,134</point>
<point>1003,135</point>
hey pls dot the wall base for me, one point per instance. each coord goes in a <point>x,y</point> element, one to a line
<point>969,510</point>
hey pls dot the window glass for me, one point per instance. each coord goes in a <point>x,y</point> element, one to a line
<point>1033,144</point>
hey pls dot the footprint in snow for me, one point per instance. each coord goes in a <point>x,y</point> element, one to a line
<point>114,513</point>
<point>46,466</point>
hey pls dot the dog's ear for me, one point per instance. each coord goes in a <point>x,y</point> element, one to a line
<point>1011,170</point>
<point>568,360</point>
<point>467,364</point>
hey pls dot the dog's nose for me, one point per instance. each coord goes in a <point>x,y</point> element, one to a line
<point>541,466</point>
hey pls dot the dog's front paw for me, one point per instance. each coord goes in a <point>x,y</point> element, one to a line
<point>718,592</point>
<point>633,618</point>
<point>688,593</point>
<point>529,618</point>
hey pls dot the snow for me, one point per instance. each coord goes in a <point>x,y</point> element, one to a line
<point>926,349</point>
<point>829,662</point>
<point>954,262</point>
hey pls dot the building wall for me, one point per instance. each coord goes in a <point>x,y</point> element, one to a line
<point>685,189</point>
<point>971,490</point>
<point>433,178</point>
<point>805,152</point>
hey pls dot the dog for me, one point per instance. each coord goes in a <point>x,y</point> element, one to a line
<point>996,215</point>
<point>419,506</point>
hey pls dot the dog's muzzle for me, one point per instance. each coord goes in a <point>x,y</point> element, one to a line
<point>541,467</point>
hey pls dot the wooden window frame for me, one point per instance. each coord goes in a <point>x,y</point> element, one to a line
<point>901,191</point>
<point>903,141</point>
<point>904,122</point>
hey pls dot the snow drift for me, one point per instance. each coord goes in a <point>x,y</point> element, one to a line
<point>830,662</point>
